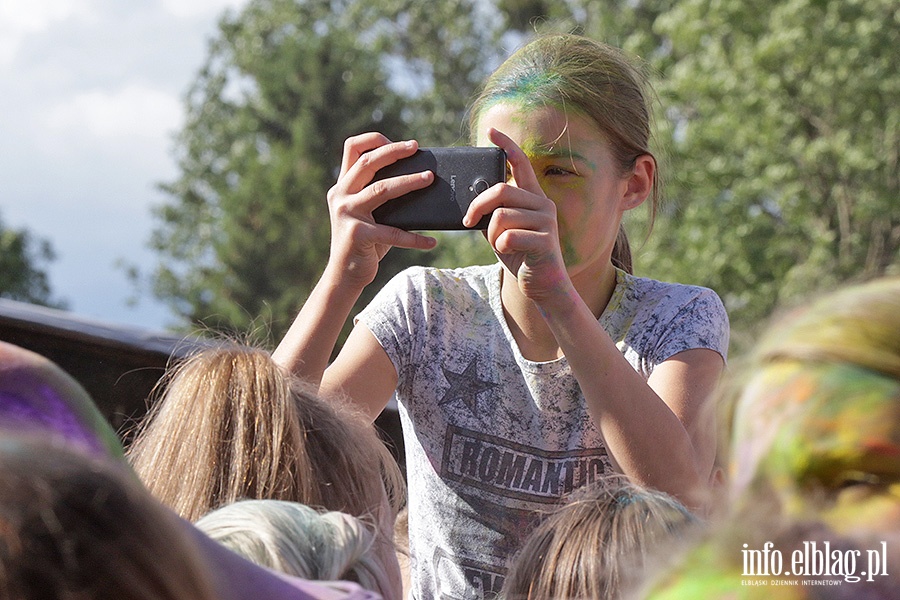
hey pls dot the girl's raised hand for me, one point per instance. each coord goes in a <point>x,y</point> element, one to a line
<point>523,229</point>
<point>357,242</point>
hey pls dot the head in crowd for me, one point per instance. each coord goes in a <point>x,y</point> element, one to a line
<point>298,540</point>
<point>401,546</point>
<point>815,452</point>
<point>37,395</point>
<point>71,456</point>
<point>590,546</point>
<point>581,76</point>
<point>232,425</point>
<point>75,525</point>
<point>817,416</point>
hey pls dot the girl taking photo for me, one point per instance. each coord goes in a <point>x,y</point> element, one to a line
<point>521,381</point>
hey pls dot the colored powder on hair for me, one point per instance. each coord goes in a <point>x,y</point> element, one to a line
<point>45,410</point>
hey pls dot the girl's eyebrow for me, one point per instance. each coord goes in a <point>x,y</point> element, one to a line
<point>563,154</point>
<point>555,153</point>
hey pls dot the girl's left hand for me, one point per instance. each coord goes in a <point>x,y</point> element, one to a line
<point>523,228</point>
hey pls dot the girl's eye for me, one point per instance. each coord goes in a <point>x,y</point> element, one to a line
<point>859,480</point>
<point>554,171</point>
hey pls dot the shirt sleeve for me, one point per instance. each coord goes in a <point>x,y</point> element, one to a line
<point>391,315</point>
<point>700,322</point>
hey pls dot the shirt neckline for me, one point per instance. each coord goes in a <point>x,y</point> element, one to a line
<point>555,365</point>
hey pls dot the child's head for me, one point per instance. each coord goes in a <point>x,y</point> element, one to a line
<point>574,73</point>
<point>817,419</point>
<point>295,539</point>
<point>590,547</point>
<point>231,425</point>
<point>815,440</point>
<point>76,525</point>
<point>37,395</point>
<point>738,558</point>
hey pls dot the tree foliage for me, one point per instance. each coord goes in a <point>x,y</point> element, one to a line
<point>22,260</point>
<point>784,131</point>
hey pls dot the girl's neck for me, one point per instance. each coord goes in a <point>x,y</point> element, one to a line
<point>529,328</point>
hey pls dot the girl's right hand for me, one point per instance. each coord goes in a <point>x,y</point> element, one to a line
<point>357,242</point>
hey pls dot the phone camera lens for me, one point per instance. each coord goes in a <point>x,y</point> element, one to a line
<point>479,186</point>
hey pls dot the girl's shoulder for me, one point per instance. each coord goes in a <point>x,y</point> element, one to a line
<point>659,319</point>
<point>644,293</point>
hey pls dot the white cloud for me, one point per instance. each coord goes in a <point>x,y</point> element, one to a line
<point>134,110</point>
<point>198,8</point>
<point>21,18</point>
<point>35,15</point>
<point>90,96</point>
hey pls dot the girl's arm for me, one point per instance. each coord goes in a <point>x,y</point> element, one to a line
<point>659,432</point>
<point>357,246</point>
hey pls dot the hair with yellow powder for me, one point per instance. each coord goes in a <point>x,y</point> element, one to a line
<point>815,447</point>
<point>821,394</point>
<point>858,325</point>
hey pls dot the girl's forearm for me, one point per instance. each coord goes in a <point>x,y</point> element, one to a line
<point>644,436</point>
<point>307,346</point>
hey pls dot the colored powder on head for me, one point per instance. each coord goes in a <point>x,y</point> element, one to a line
<point>529,88</point>
<point>44,410</point>
<point>863,507</point>
<point>833,425</point>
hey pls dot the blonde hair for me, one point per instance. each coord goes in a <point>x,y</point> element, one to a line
<point>300,541</point>
<point>231,425</point>
<point>593,544</point>
<point>81,526</point>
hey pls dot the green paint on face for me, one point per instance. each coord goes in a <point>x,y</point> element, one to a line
<point>569,251</point>
<point>563,171</point>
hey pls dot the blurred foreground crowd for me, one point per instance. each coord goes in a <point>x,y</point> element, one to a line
<point>243,483</point>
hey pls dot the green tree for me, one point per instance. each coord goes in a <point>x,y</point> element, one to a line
<point>438,54</point>
<point>784,129</point>
<point>778,121</point>
<point>22,260</point>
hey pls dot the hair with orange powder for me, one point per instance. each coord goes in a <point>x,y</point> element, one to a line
<point>814,446</point>
<point>806,402</point>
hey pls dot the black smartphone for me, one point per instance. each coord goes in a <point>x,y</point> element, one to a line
<point>460,174</point>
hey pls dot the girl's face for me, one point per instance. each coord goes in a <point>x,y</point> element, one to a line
<point>575,168</point>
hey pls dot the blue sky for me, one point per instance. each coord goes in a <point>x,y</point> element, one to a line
<point>90,98</point>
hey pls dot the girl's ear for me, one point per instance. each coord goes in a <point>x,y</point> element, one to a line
<point>640,182</point>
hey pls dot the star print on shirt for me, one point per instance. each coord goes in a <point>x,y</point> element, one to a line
<point>465,386</point>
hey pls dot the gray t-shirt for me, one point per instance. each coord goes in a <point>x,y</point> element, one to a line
<point>494,440</point>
